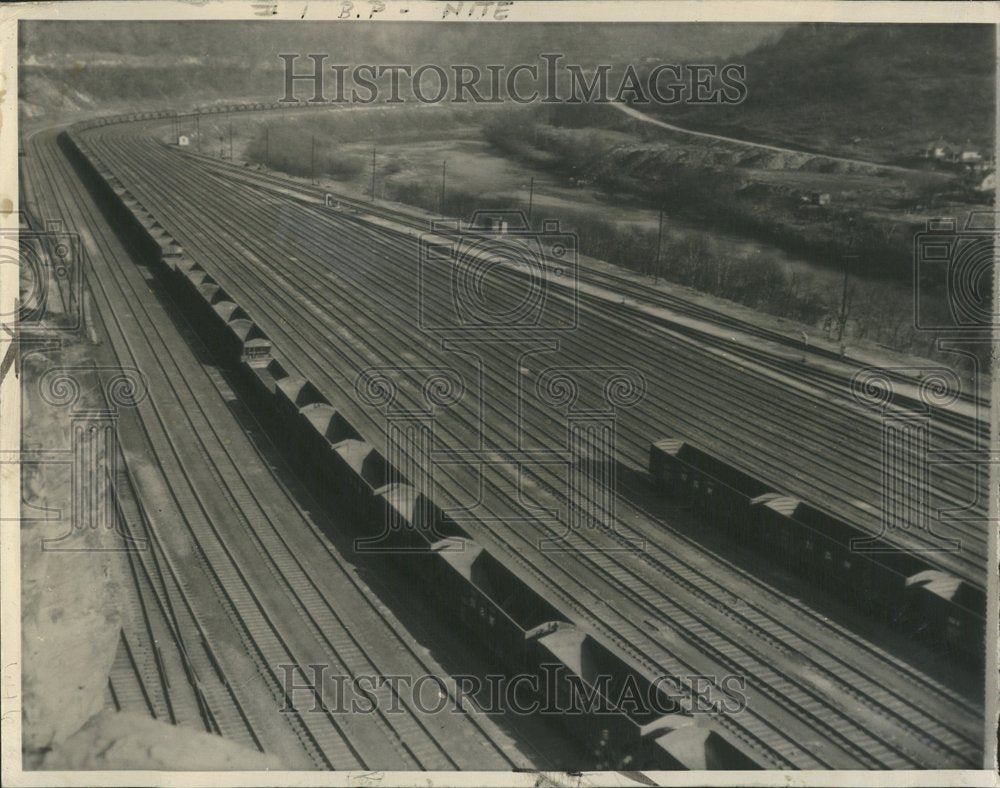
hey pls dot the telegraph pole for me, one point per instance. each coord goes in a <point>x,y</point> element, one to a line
<point>659,242</point>
<point>267,147</point>
<point>851,254</point>
<point>373,173</point>
<point>843,296</point>
<point>312,160</point>
<point>531,198</point>
<point>444,177</point>
<point>230,140</point>
<point>197,126</point>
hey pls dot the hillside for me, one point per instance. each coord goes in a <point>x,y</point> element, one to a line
<point>872,91</point>
<point>87,66</point>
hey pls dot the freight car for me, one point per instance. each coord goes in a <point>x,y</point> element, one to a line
<point>721,493</point>
<point>495,605</point>
<point>889,584</point>
<point>414,523</point>
<point>321,427</point>
<point>245,341</point>
<point>513,619</point>
<point>291,394</point>
<point>814,544</point>
<point>648,727</point>
<point>360,470</point>
<point>944,607</point>
<point>598,679</point>
<point>261,377</point>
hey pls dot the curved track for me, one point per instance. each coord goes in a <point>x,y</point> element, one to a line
<point>230,235</point>
<point>809,405</point>
<point>246,527</point>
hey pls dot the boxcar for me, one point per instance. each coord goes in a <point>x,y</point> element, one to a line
<point>720,492</point>
<point>359,472</point>
<point>170,254</point>
<point>322,426</point>
<point>492,602</point>
<point>695,748</point>
<point>293,393</point>
<point>244,339</point>
<point>948,609</point>
<point>407,529</point>
<point>262,378</point>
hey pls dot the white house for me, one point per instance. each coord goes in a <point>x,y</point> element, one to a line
<point>939,150</point>
<point>987,183</point>
<point>968,155</point>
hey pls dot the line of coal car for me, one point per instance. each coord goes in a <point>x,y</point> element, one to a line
<point>884,581</point>
<point>508,614</point>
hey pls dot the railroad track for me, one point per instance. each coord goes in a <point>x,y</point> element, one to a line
<point>778,635</point>
<point>207,699</point>
<point>255,626</point>
<point>214,261</point>
<point>821,409</point>
<point>845,482</point>
<point>611,632</point>
<point>828,391</point>
<point>970,419</point>
<point>417,744</point>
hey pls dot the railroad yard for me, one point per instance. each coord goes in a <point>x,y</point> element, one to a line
<point>383,467</point>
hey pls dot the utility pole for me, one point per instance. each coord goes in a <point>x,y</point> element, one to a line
<point>230,140</point>
<point>373,173</point>
<point>843,296</point>
<point>197,126</point>
<point>659,242</point>
<point>851,254</point>
<point>267,147</point>
<point>531,198</point>
<point>312,160</point>
<point>444,176</point>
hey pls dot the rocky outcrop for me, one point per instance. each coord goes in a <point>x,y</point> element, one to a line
<point>70,632</point>
<point>122,740</point>
<point>71,588</point>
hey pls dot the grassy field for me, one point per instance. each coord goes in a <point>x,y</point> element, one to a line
<point>615,224</point>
